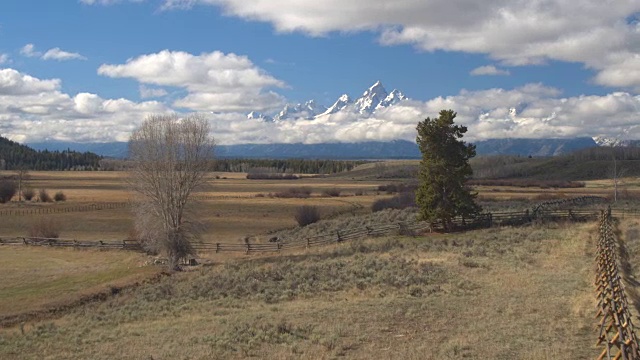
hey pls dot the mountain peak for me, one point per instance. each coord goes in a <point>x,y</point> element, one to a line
<point>259,116</point>
<point>371,98</point>
<point>343,101</point>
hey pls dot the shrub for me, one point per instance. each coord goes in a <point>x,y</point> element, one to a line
<point>334,192</point>
<point>45,228</point>
<point>44,196</point>
<point>28,194</point>
<point>8,189</point>
<point>59,196</point>
<point>307,214</point>
<point>300,192</point>
<point>401,201</point>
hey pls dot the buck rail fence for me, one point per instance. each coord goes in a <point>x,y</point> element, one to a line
<point>401,228</point>
<point>616,332</point>
<point>43,210</point>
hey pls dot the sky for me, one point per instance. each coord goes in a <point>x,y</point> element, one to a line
<point>92,70</point>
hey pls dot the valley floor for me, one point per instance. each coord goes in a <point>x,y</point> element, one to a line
<point>509,293</point>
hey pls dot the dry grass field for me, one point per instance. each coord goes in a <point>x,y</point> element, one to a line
<point>509,293</point>
<point>40,278</point>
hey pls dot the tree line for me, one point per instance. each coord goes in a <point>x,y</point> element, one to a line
<point>263,166</point>
<point>17,156</point>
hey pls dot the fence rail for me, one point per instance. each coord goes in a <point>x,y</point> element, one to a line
<point>55,242</point>
<point>42,210</point>
<point>401,228</point>
<point>616,332</point>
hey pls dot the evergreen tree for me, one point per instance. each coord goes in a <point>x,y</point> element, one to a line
<point>444,170</point>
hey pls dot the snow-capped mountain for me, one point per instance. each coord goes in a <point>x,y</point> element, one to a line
<point>374,98</point>
<point>259,116</point>
<point>308,111</point>
<point>394,97</point>
<point>340,104</point>
<point>614,142</point>
<point>371,98</point>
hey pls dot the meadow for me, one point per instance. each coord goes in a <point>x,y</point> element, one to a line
<point>500,293</point>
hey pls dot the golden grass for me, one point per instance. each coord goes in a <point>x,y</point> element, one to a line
<point>36,278</point>
<point>511,293</point>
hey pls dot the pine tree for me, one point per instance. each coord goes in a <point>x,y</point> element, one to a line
<point>444,170</point>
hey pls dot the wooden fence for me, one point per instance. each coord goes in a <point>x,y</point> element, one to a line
<point>401,228</point>
<point>616,332</point>
<point>55,242</point>
<point>43,210</point>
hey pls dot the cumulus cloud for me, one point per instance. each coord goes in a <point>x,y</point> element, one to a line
<point>33,109</point>
<point>147,92</point>
<point>488,70</point>
<point>61,55</point>
<point>521,32</point>
<point>531,111</point>
<point>14,83</point>
<point>214,81</point>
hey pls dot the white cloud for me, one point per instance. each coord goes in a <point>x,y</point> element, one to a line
<point>540,112</point>
<point>13,83</point>
<point>4,58</point>
<point>29,50</point>
<point>595,33</point>
<point>32,109</point>
<point>214,81</point>
<point>61,55</point>
<point>147,92</point>
<point>488,70</point>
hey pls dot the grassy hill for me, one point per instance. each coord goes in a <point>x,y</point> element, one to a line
<point>587,164</point>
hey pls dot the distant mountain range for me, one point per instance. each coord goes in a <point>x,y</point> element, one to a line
<point>374,98</point>
<point>398,149</point>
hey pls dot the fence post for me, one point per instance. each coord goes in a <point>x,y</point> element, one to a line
<point>217,248</point>
<point>248,247</point>
<point>339,237</point>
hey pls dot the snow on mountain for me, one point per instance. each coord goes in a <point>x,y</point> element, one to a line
<point>614,142</point>
<point>393,98</point>
<point>342,102</point>
<point>374,98</point>
<point>259,116</point>
<point>308,111</point>
<point>371,98</point>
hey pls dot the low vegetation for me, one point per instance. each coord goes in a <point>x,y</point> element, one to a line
<point>59,196</point>
<point>8,188</point>
<point>294,192</point>
<point>44,227</point>
<point>307,215</point>
<point>44,196</point>
<point>387,297</point>
<point>28,194</point>
<point>527,183</point>
<point>401,201</point>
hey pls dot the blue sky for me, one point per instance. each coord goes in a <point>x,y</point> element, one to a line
<point>91,70</point>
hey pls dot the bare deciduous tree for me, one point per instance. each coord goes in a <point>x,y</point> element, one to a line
<point>170,157</point>
<point>23,175</point>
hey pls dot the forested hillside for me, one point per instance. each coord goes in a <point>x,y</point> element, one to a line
<point>14,155</point>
